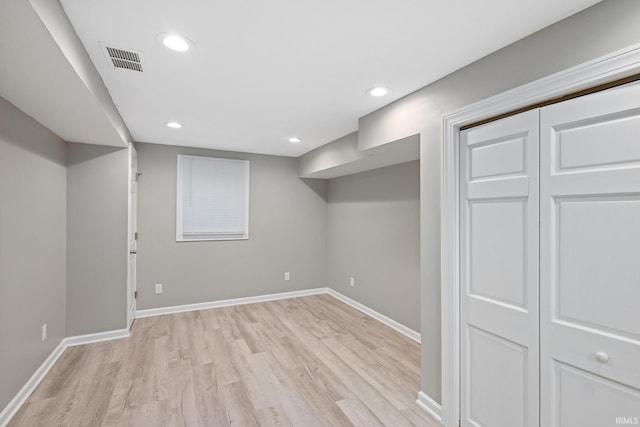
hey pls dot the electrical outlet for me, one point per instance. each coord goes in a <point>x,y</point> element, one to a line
<point>287,276</point>
<point>44,332</point>
<point>352,282</point>
<point>158,288</point>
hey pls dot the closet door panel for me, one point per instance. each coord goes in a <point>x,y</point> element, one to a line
<point>590,259</point>
<point>499,273</point>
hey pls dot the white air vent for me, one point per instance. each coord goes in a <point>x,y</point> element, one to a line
<point>125,59</point>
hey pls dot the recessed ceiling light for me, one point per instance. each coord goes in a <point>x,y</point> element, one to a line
<point>174,125</point>
<point>378,91</point>
<point>294,139</point>
<point>175,42</point>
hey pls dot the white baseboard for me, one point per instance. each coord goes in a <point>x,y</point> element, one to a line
<point>378,316</point>
<point>16,403</point>
<point>98,337</point>
<point>227,302</point>
<point>431,406</point>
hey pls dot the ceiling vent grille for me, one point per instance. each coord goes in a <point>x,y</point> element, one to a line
<point>124,59</point>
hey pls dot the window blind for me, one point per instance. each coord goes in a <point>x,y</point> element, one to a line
<point>213,198</point>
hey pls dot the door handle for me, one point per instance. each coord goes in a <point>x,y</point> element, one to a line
<point>133,252</point>
<point>602,357</point>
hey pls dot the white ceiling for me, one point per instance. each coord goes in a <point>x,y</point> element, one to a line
<point>264,71</point>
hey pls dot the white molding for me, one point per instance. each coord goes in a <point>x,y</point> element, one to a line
<point>378,316</point>
<point>131,311</point>
<point>16,403</point>
<point>97,337</point>
<point>608,68</point>
<point>617,65</point>
<point>431,406</point>
<point>228,302</point>
<point>450,290</point>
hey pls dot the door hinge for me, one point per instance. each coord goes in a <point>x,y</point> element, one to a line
<point>135,294</point>
<point>135,236</point>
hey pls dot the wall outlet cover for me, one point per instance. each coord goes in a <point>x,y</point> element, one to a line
<point>158,288</point>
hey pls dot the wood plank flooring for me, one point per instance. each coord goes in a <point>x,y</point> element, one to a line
<point>311,361</point>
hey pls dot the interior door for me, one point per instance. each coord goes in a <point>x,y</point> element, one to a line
<point>590,260</point>
<point>133,234</point>
<point>499,273</point>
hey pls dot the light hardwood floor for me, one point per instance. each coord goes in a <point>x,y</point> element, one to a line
<point>311,361</point>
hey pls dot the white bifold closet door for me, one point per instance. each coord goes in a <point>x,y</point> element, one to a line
<point>550,316</point>
<point>499,273</point>
<point>590,260</point>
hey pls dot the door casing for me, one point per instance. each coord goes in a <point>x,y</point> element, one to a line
<point>131,235</point>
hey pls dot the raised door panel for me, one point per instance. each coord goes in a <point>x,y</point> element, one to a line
<point>597,249</point>
<point>498,251</point>
<point>581,146</point>
<point>497,157</point>
<point>584,399</point>
<point>498,372</point>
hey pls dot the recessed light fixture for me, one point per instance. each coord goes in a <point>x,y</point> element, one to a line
<point>175,42</point>
<point>174,125</point>
<point>294,140</point>
<point>377,91</point>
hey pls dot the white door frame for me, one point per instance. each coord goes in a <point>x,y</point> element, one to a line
<point>131,281</point>
<point>618,65</point>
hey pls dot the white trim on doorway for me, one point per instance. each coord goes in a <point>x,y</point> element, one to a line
<point>615,66</point>
<point>131,233</point>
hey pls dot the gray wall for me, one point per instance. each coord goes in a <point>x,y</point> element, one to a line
<point>97,252</point>
<point>32,246</point>
<point>287,230</point>
<point>374,236</point>
<point>601,29</point>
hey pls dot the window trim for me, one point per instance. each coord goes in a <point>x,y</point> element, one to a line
<point>180,199</point>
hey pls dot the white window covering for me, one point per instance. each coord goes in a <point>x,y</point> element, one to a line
<point>212,199</point>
